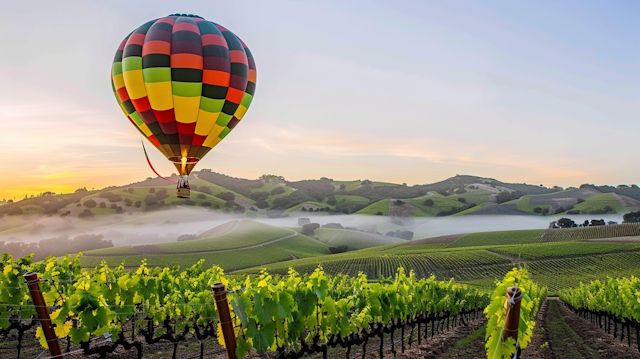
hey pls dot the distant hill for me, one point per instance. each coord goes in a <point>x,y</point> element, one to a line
<point>232,245</point>
<point>273,196</point>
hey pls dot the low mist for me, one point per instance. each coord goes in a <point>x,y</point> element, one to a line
<point>167,225</point>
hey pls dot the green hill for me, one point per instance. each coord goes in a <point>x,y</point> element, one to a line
<point>241,245</point>
<point>353,239</point>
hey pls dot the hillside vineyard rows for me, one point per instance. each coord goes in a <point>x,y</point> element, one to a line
<point>294,314</point>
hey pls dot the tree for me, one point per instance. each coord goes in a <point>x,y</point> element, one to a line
<point>262,204</point>
<point>152,190</point>
<point>398,202</point>
<point>309,229</point>
<point>227,196</point>
<point>631,217</point>
<point>202,196</point>
<point>90,203</point>
<point>205,189</point>
<point>537,210</point>
<point>150,200</point>
<point>462,200</point>
<point>428,202</point>
<point>103,205</point>
<point>598,222</point>
<point>332,201</point>
<point>565,223</point>
<point>86,213</point>
<point>461,190</point>
<point>545,211</point>
<point>378,213</point>
<point>303,221</point>
<point>256,196</point>
<point>580,200</point>
<point>278,190</point>
<point>138,204</point>
<point>343,187</point>
<point>128,202</point>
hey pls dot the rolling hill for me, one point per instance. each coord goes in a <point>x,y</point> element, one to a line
<point>233,245</point>
<point>273,196</point>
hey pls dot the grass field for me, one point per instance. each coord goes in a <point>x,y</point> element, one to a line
<point>498,238</point>
<point>439,204</point>
<point>523,205</point>
<point>341,198</point>
<point>598,202</point>
<point>354,239</point>
<point>307,205</point>
<point>477,196</point>
<point>381,206</point>
<point>470,210</point>
<point>300,246</point>
<point>246,234</point>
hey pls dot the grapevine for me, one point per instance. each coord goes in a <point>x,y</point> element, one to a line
<point>496,312</point>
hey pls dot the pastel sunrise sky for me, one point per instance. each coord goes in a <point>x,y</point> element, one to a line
<point>543,92</point>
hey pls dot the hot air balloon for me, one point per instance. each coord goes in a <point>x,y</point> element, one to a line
<point>184,82</point>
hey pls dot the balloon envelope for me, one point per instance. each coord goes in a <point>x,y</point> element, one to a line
<point>184,83</point>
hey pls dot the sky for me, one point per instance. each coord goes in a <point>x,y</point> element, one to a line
<point>544,92</point>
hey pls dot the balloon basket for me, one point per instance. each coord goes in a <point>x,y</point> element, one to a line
<point>183,190</point>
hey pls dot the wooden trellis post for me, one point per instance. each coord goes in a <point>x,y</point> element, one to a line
<point>512,322</point>
<point>224,314</point>
<point>33,282</point>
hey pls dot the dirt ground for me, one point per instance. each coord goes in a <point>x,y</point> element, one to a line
<point>559,333</point>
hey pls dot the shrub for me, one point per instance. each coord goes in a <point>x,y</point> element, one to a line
<point>256,196</point>
<point>130,190</point>
<point>205,204</point>
<point>86,214</point>
<point>128,202</point>
<point>309,229</point>
<point>226,196</point>
<point>379,213</point>
<point>278,190</point>
<point>207,190</point>
<point>152,190</point>
<point>150,200</point>
<point>103,205</point>
<point>262,204</point>
<point>201,196</point>
<point>161,194</point>
<point>138,204</point>
<point>462,200</point>
<point>90,203</point>
<point>428,202</point>
<point>398,202</point>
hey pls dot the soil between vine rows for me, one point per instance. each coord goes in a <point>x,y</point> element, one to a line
<point>559,333</point>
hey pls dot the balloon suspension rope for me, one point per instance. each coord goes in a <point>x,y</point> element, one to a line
<point>150,165</point>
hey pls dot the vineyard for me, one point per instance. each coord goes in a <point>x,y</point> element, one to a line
<point>124,309</point>
<point>110,311</point>
<point>590,233</point>
<point>613,303</point>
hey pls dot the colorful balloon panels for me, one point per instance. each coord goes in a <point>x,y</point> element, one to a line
<point>185,83</point>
